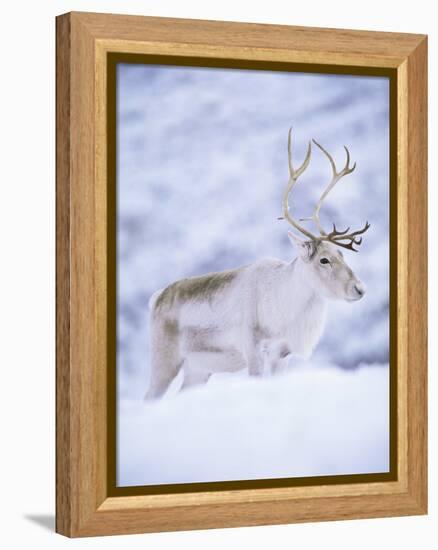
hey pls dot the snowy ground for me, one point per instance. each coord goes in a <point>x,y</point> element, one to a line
<point>311,421</point>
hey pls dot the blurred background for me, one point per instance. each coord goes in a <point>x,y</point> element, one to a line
<point>201,168</point>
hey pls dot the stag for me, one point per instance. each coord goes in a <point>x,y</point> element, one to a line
<point>258,316</point>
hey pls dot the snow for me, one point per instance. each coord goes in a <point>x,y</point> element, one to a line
<point>201,168</point>
<point>311,421</point>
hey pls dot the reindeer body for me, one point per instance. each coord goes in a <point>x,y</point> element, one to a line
<point>254,317</point>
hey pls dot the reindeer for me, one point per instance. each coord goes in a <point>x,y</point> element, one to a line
<point>259,315</point>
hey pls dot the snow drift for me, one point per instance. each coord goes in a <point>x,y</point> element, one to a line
<point>308,422</point>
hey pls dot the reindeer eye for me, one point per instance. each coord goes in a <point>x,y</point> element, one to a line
<point>324,261</point>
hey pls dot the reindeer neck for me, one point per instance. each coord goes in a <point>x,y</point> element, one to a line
<point>299,292</point>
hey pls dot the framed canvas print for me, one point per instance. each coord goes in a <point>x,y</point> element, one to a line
<point>241,274</point>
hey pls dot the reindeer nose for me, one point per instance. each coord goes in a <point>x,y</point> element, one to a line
<point>360,289</point>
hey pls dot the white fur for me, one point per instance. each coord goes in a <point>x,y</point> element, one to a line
<point>269,311</point>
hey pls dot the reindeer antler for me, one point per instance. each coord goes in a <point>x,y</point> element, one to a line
<point>293,177</point>
<point>336,237</point>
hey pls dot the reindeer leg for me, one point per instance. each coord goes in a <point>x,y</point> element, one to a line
<point>277,353</point>
<point>166,359</point>
<point>255,361</point>
<point>253,351</point>
<point>159,384</point>
<point>194,377</point>
<point>280,358</point>
<point>279,366</point>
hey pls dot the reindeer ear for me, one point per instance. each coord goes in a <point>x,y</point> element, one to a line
<point>305,248</point>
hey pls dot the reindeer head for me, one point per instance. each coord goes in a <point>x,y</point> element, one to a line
<point>324,264</point>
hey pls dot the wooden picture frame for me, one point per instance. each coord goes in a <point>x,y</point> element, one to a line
<point>86,505</point>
